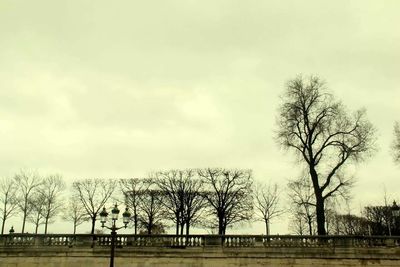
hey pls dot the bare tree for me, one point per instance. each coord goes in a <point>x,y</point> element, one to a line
<point>36,214</point>
<point>51,189</point>
<point>8,200</point>
<point>301,195</point>
<point>132,188</point>
<point>267,204</point>
<point>396,143</point>
<point>27,182</point>
<point>317,127</point>
<point>297,223</point>
<point>182,197</point>
<point>75,213</point>
<point>229,195</point>
<point>93,195</point>
<point>349,224</point>
<point>194,202</point>
<point>152,208</point>
<point>172,187</point>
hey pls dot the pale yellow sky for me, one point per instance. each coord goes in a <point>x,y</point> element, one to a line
<point>121,88</point>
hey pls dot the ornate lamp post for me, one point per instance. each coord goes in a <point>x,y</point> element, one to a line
<point>395,213</point>
<point>114,217</point>
<point>395,210</point>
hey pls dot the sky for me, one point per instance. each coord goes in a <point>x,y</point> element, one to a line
<point>92,89</point>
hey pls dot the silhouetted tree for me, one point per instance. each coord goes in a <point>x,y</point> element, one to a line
<point>297,223</point>
<point>194,202</point>
<point>93,194</point>
<point>377,215</point>
<point>27,182</point>
<point>36,215</point>
<point>172,188</point>
<point>8,200</point>
<point>182,197</point>
<point>381,220</point>
<point>229,195</point>
<point>302,197</point>
<point>349,224</point>
<point>131,189</point>
<point>151,208</point>
<point>267,204</point>
<point>317,127</point>
<point>51,189</point>
<point>75,213</point>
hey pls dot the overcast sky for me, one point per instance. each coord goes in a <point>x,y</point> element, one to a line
<point>122,88</point>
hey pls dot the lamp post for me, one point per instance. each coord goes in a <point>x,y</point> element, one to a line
<point>114,217</point>
<point>395,213</point>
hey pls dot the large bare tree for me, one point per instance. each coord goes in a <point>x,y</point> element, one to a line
<point>51,189</point>
<point>93,195</point>
<point>229,195</point>
<point>8,200</point>
<point>267,204</point>
<point>28,182</point>
<point>320,130</point>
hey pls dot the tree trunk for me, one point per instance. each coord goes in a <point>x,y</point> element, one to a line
<point>223,228</point>
<point>3,222</point>
<point>187,228</point>
<point>135,219</point>
<point>25,211</point>
<point>320,215</point>
<point>93,224</point>
<point>309,225</point>
<point>150,226</point>
<point>74,228</point>
<point>320,209</point>
<point>2,227</point>
<point>266,227</point>
<point>45,225</point>
<point>23,222</point>
<point>177,225</point>
<point>182,226</point>
<point>220,225</point>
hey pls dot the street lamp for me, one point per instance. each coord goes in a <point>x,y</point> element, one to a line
<point>395,213</point>
<point>114,217</point>
<point>395,210</point>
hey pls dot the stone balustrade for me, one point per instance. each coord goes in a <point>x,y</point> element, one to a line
<point>173,241</point>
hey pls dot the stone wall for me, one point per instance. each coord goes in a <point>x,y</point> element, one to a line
<point>198,251</point>
<point>199,257</point>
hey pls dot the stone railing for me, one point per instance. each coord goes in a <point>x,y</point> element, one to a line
<point>228,241</point>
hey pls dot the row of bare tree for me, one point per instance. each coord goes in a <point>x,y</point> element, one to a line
<point>207,198</point>
<point>35,198</point>
<point>212,198</point>
<point>374,220</point>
